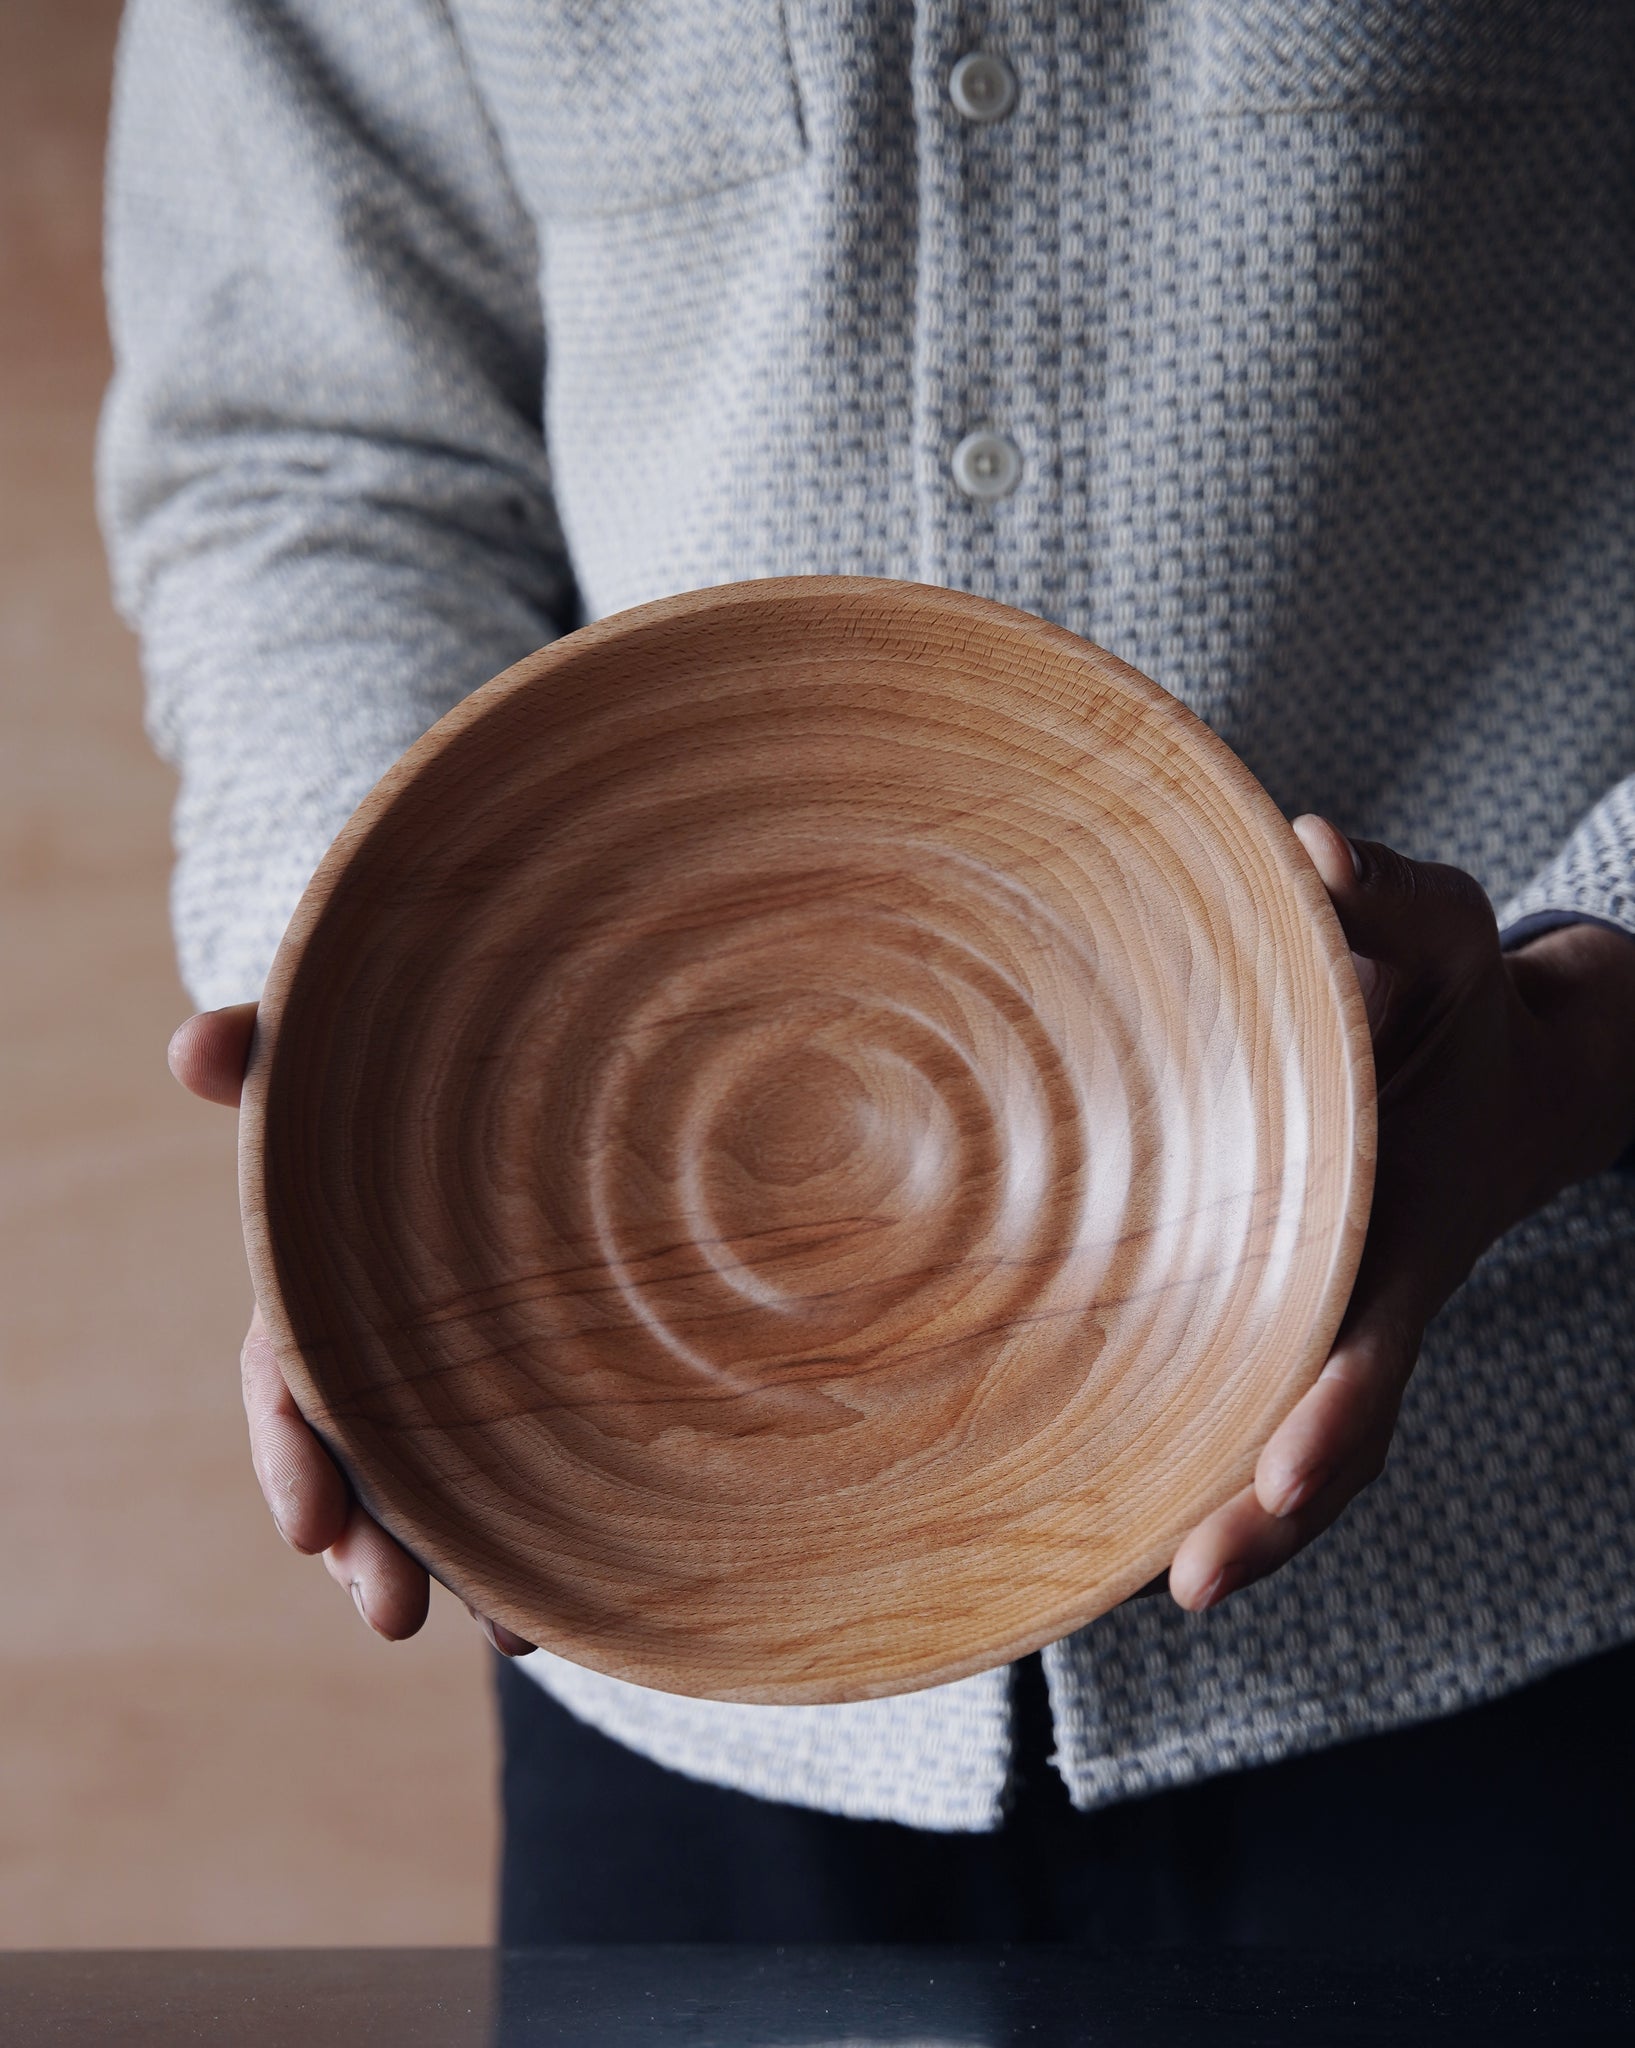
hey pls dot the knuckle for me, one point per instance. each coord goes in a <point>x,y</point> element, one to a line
<point>1384,870</point>
<point>1375,1455</point>
<point>1466,905</point>
<point>1395,1354</point>
<point>1434,888</point>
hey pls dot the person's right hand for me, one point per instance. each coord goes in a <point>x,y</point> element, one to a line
<point>310,1500</point>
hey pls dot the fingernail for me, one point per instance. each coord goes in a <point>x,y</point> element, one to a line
<point>357,1602</point>
<point>1317,848</point>
<point>1283,1504</point>
<point>1295,1492</point>
<point>1212,1591</point>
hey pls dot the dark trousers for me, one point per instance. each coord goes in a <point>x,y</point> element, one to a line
<point>1511,1825</point>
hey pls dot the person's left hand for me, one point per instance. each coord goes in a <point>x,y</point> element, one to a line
<point>305,1490</point>
<point>1502,1079</point>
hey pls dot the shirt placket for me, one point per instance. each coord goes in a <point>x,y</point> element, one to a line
<point>988,302</point>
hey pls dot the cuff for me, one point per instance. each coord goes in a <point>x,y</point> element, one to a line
<point>1590,881</point>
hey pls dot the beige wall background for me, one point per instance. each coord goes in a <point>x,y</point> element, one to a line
<point>198,1743</point>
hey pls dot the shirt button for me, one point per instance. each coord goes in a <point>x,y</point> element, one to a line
<point>986,465</point>
<point>982,86</point>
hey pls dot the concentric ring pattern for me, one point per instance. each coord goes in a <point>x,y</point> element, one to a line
<point>804,1135</point>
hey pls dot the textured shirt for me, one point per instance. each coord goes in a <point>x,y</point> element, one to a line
<point>444,324</point>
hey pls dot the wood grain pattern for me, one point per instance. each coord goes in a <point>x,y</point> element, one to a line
<point>804,1135</point>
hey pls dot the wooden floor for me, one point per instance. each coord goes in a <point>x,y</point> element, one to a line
<point>198,1743</point>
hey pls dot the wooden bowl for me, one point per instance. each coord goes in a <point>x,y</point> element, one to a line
<point>804,1135</point>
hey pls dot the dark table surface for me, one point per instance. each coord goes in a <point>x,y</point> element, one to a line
<point>815,1997</point>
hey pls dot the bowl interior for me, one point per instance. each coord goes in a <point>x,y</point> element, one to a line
<point>804,1136</point>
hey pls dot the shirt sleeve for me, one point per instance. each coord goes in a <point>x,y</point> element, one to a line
<point>1591,880</point>
<point>322,470</point>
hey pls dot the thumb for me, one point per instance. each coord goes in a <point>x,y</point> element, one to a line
<point>207,1054</point>
<point>1417,914</point>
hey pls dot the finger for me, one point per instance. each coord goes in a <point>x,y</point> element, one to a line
<point>1240,1543</point>
<point>299,1480</point>
<point>388,1588</point>
<point>207,1054</point>
<point>506,1641</point>
<point>1230,1549</point>
<point>1344,1423</point>
<point>1333,1444</point>
<point>1419,914</point>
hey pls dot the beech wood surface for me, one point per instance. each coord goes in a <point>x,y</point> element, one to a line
<point>804,1135</point>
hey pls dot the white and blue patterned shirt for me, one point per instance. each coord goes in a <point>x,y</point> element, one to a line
<point>442,324</point>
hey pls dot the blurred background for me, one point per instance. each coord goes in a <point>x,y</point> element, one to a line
<point>199,1744</point>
